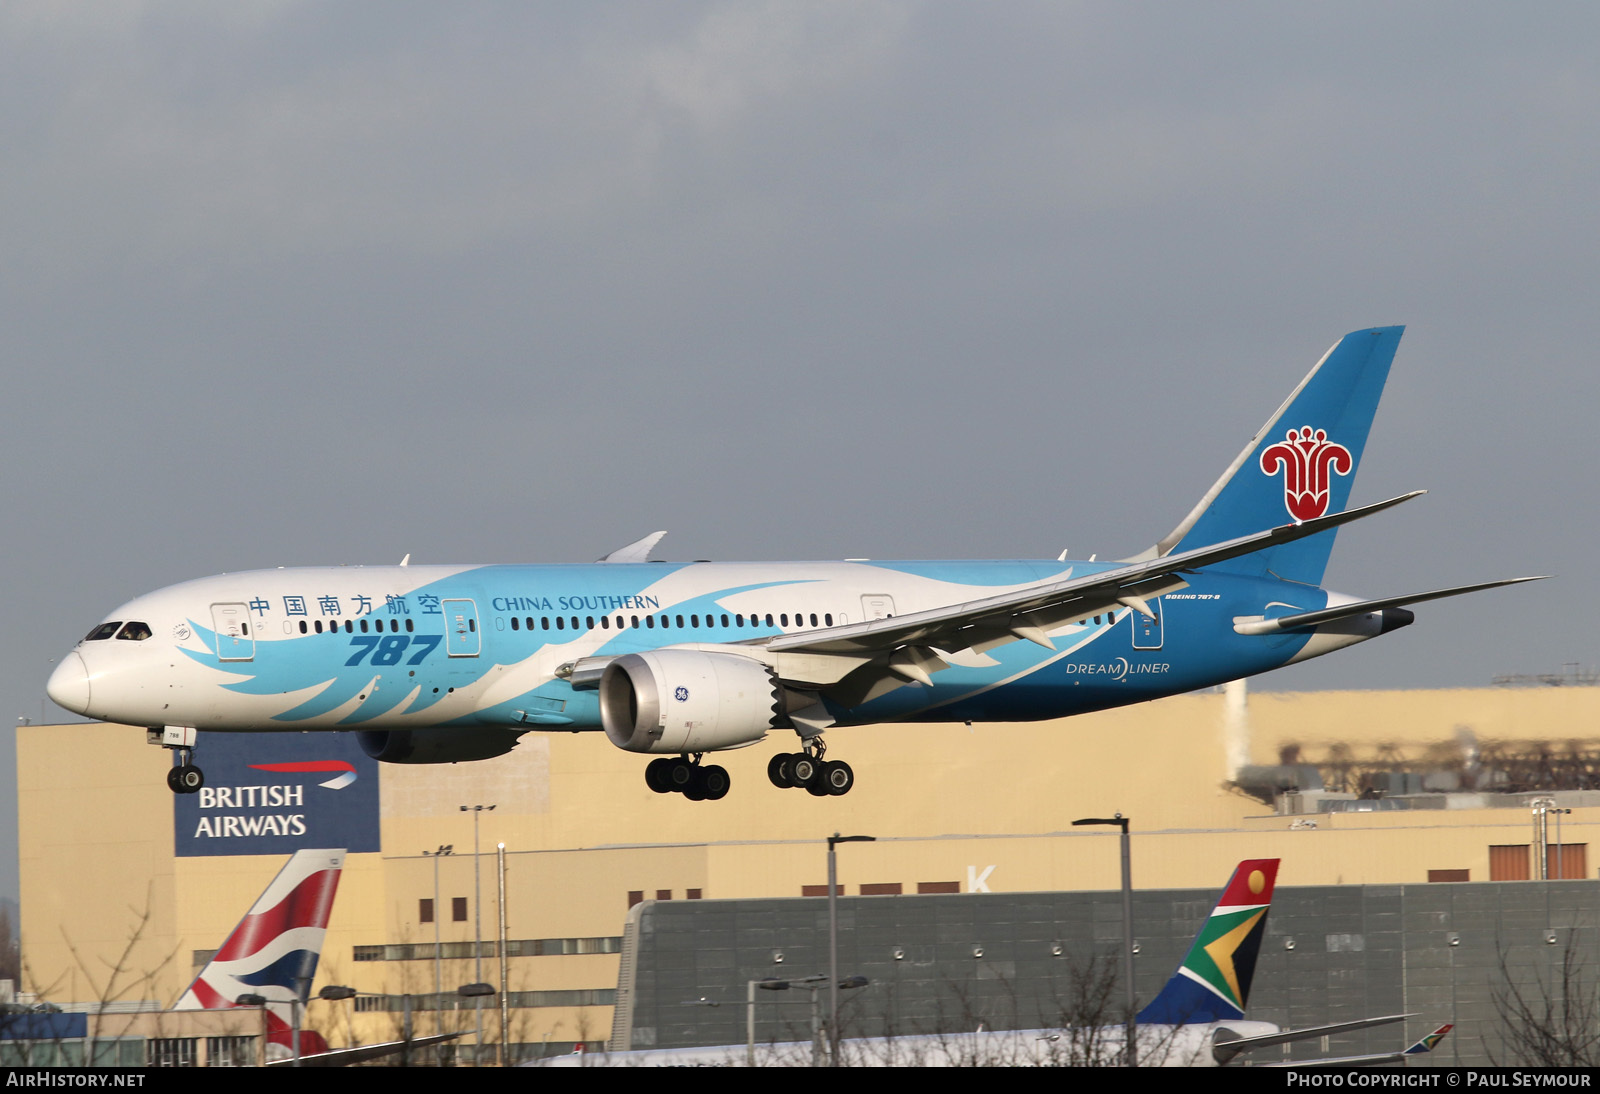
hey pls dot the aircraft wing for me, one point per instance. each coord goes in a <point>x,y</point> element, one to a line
<point>1225,1047</point>
<point>1029,612</point>
<point>341,1057</point>
<point>1377,1059</point>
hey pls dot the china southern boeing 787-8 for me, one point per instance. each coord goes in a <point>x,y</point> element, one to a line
<point>438,664</point>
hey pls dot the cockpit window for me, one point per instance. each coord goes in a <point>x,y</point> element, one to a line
<point>134,632</point>
<point>104,630</point>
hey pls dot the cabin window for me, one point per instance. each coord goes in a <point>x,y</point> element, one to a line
<point>784,619</point>
<point>694,621</point>
<point>724,621</point>
<point>561,623</point>
<point>813,619</point>
<point>411,624</point>
<point>515,623</point>
<point>769,619</point>
<point>635,620</point>
<point>589,622</point>
<point>828,619</point>
<point>544,622</point>
<point>302,626</point>
<point>680,621</point>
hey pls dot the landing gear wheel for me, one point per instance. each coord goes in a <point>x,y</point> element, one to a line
<point>817,788</point>
<point>837,777</point>
<point>680,775</point>
<point>778,771</point>
<point>803,770</point>
<point>186,779</point>
<point>714,782</point>
<point>657,775</point>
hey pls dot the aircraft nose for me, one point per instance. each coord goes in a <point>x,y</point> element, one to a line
<point>69,685</point>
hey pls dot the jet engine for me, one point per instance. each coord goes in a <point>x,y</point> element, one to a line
<point>688,701</point>
<point>437,745</point>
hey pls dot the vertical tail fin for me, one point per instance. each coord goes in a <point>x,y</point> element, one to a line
<point>1301,464</point>
<point>273,951</point>
<point>1213,983</point>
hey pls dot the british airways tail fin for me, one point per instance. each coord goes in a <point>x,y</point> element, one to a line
<point>1300,465</point>
<point>273,951</point>
<point>1213,983</point>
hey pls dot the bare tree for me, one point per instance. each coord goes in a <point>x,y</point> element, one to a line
<point>1547,1018</point>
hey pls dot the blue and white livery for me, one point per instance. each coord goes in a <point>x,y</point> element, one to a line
<point>438,664</point>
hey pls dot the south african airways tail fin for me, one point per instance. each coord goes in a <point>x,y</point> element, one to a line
<point>273,951</point>
<point>1213,983</point>
<point>1300,465</point>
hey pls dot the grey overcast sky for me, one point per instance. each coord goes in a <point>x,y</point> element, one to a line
<point>291,283</point>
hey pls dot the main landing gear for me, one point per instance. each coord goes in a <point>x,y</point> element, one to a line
<point>687,777</point>
<point>823,778</point>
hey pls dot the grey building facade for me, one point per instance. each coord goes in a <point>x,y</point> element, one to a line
<point>1458,953</point>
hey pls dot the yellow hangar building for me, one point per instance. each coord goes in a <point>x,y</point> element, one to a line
<point>128,889</point>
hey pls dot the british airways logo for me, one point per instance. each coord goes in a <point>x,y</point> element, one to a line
<point>1306,458</point>
<point>338,782</point>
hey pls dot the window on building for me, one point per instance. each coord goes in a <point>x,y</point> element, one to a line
<point>635,896</point>
<point>938,886</point>
<point>458,909</point>
<point>1569,862</point>
<point>1509,862</point>
<point>425,910</point>
<point>1449,875</point>
<point>882,888</point>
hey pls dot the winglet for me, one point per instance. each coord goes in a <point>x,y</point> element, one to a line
<point>637,551</point>
<point>1430,1042</point>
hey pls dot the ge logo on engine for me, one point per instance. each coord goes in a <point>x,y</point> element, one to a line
<point>681,694</point>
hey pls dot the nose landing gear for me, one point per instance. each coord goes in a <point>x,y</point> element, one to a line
<point>185,777</point>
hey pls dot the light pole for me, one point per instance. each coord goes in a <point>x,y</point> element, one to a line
<point>438,962</point>
<point>477,935</point>
<point>505,996</point>
<point>833,941</point>
<point>1130,1057</point>
<point>772,983</point>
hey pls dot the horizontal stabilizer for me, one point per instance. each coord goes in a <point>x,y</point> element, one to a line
<point>1365,607</point>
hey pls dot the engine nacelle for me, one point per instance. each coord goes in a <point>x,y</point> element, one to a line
<point>437,745</point>
<point>688,701</point>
